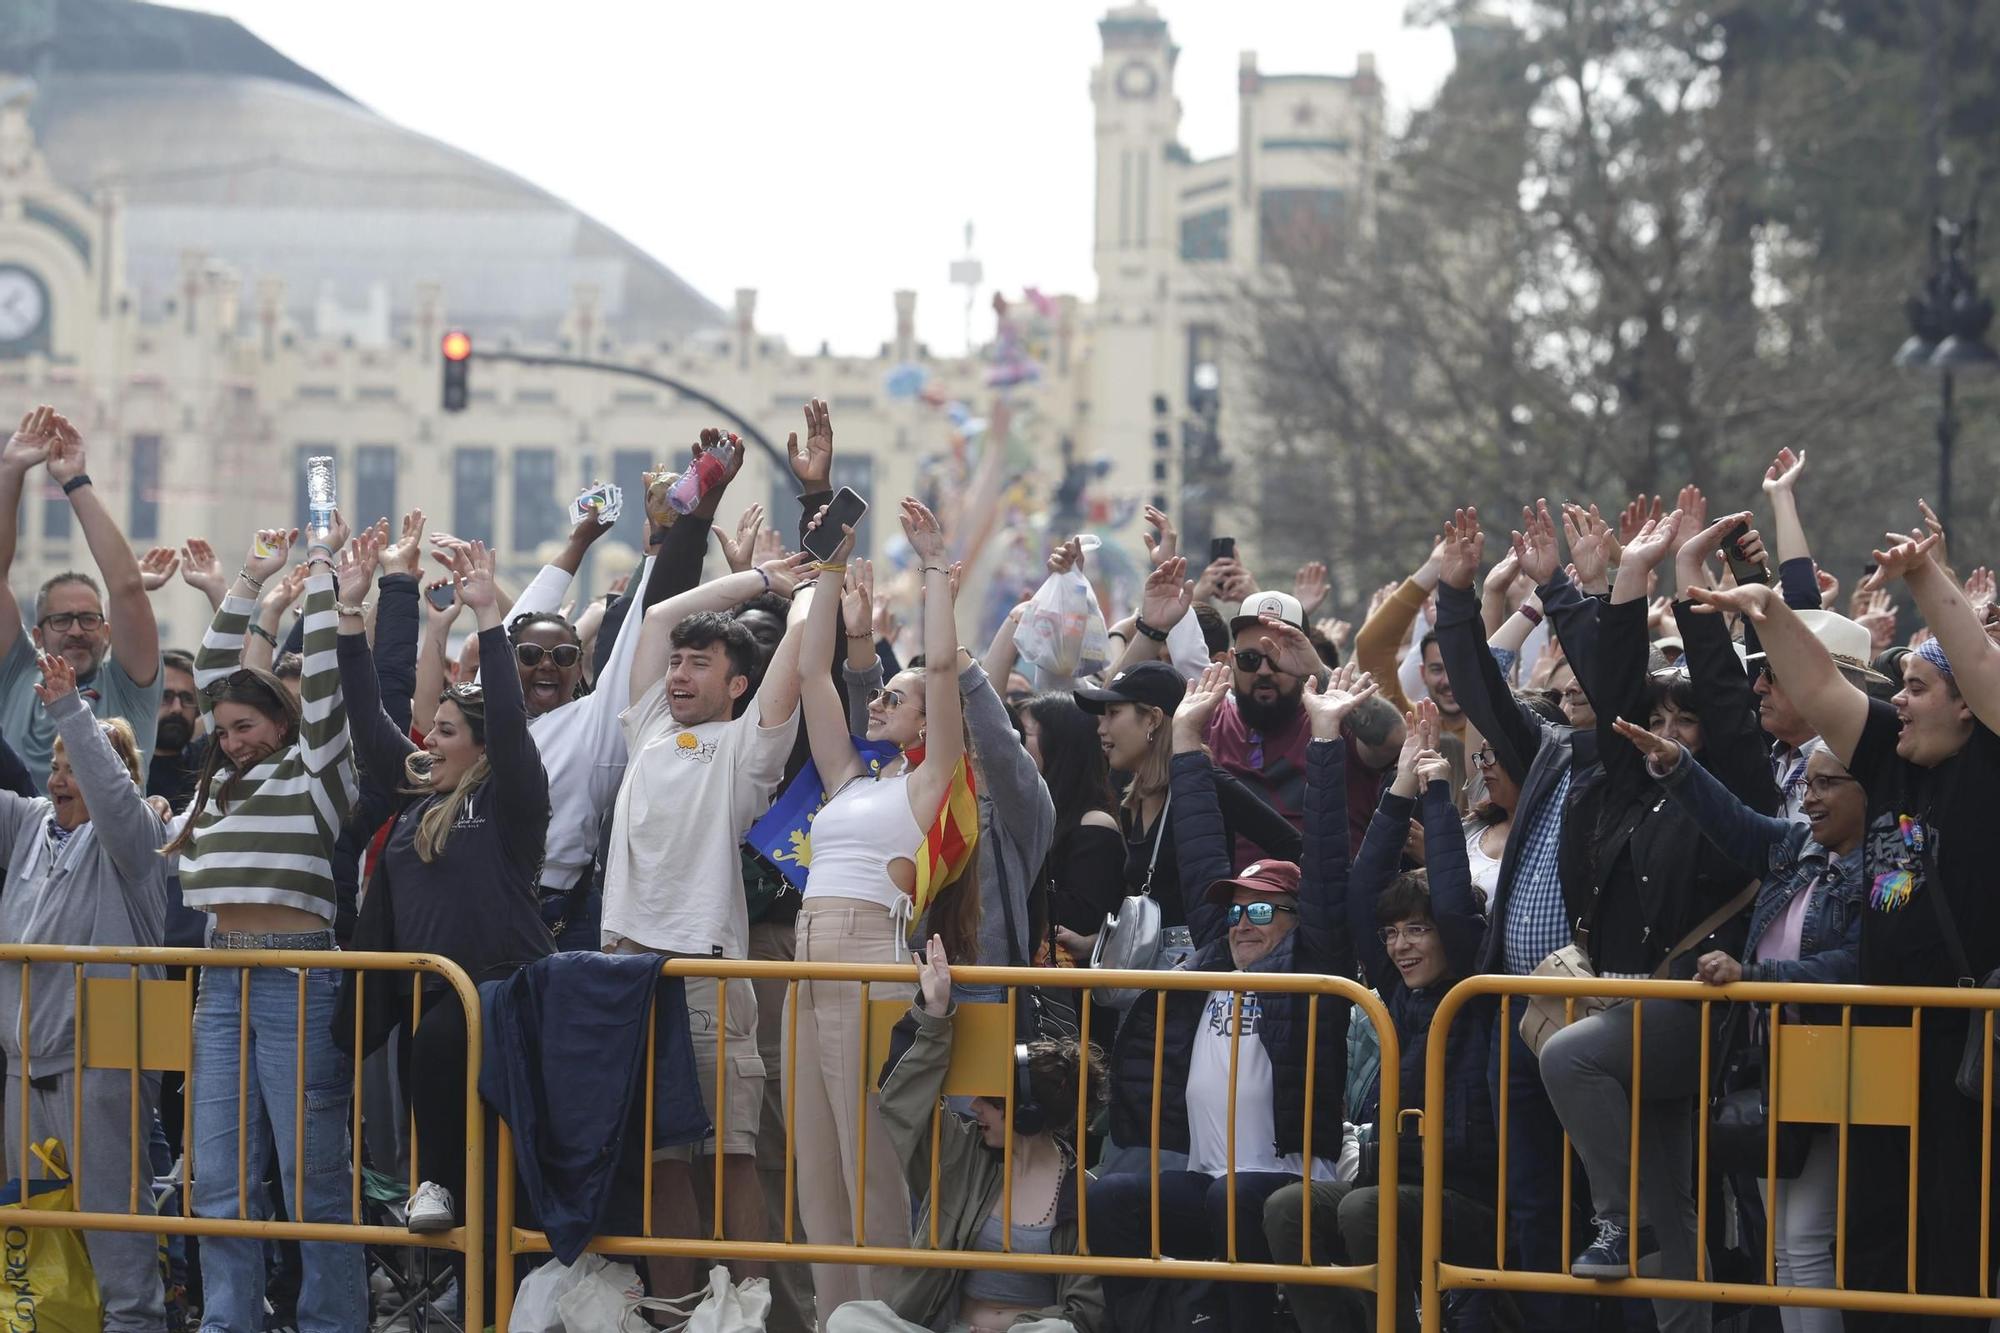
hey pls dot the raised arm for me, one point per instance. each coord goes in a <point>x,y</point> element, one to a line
<point>832,744</point>
<point>1201,834</point>
<point>1381,855</point>
<point>1476,678</point>
<point>1734,746</point>
<point>1383,632</point>
<point>127,826</point>
<point>649,663</point>
<point>434,658</point>
<point>261,636</point>
<point>323,743</point>
<point>135,634</point>
<point>25,450</point>
<point>379,744</point>
<point>1745,836</point>
<point>1974,658</point>
<point>1781,481</point>
<point>1323,875</point>
<point>520,782</point>
<point>862,665</point>
<point>1617,686</point>
<point>221,650</point>
<point>1830,705</point>
<point>944,711</point>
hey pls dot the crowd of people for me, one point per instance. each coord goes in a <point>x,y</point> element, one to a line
<point>1633,746</point>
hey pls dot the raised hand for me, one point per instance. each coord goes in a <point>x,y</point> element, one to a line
<point>268,552</point>
<point>336,536</point>
<point>658,512</point>
<point>846,544</point>
<point>1535,544</point>
<point>406,554</point>
<point>920,525</point>
<point>857,597</point>
<point>355,568</point>
<point>886,626</point>
<point>1651,544</point>
<point>1501,578</point>
<point>1309,585</point>
<point>1165,546</point>
<point>1327,709</point>
<point>58,678</point>
<point>787,572</point>
<point>1783,474</point>
<point>1167,595</point>
<point>441,621</point>
<point>1431,767</point>
<point>1204,693</point>
<point>157,566</point>
<point>1664,755</point>
<point>712,439</point>
<point>1590,540</point>
<point>65,459</point>
<point>1335,631</point>
<point>768,546</point>
<point>285,592</point>
<point>1067,556</point>
<point>1696,550</point>
<point>813,464</point>
<point>1458,552</point>
<point>1746,599</point>
<point>473,575</point>
<point>1980,589</point>
<point>1829,588</point>
<point>934,978</point>
<point>1635,516</point>
<point>740,549</point>
<point>201,568</point>
<point>1878,615</point>
<point>31,441</point>
<point>1692,506</point>
<point>1288,648</point>
<point>1906,555</point>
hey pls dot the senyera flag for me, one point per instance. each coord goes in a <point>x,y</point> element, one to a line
<point>951,840</point>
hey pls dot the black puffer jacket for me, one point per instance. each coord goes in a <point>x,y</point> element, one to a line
<point>1319,944</point>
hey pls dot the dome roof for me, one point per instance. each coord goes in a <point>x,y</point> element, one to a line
<point>218,143</point>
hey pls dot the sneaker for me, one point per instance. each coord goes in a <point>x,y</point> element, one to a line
<point>429,1209</point>
<point>1610,1255</point>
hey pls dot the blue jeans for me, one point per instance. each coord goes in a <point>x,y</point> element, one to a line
<point>333,1296</point>
<point>1534,1183</point>
<point>1194,1224</point>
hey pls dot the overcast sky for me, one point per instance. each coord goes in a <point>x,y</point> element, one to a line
<point>825,154</point>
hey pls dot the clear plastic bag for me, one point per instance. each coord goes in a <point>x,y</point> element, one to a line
<point>1062,633</point>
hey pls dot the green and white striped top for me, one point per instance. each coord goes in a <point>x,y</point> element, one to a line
<point>273,846</point>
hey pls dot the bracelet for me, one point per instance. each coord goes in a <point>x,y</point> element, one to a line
<point>263,634</point>
<point>935,569</point>
<point>828,567</point>
<point>1534,616</point>
<point>1153,632</point>
<point>766,577</point>
<point>248,578</point>
<point>360,611</point>
<point>80,479</point>
<point>870,638</point>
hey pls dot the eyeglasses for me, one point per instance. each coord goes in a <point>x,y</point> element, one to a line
<point>1826,783</point>
<point>1415,932</point>
<point>62,622</point>
<point>531,654</point>
<point>1260,914</point>
<point>1249,659</point>
<point>1484,756</point>
<point>184,698</point>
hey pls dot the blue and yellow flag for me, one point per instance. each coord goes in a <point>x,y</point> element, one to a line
<point>783,836</point>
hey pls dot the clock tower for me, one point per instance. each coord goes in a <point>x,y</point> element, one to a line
<point>56,257</point>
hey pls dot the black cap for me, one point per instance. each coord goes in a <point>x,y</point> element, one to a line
<point>1152,683</point>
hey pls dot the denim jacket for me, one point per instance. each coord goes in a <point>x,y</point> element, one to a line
<point>1786,855</point>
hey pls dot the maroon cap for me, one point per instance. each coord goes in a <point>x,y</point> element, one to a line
<point>1258,877</point>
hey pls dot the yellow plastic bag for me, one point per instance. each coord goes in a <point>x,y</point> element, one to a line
<point>46,1282</point>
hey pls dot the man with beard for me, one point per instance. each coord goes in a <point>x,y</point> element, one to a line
<point>178,743</point>
<point>109,638</point>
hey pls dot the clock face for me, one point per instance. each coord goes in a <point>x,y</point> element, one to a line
<point>24,303</point>
<point>1136,80</point>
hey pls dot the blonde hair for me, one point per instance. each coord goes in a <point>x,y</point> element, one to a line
<point>123,743</point>
<point>438,821</point>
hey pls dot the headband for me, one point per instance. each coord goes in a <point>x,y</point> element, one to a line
<point>1933,652</point>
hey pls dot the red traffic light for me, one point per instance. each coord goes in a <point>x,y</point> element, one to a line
<point>457,345</point>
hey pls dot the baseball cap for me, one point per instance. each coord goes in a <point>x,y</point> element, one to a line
<point>1280,604</point>
<point>1258,877</point>
<point>1155,684</point>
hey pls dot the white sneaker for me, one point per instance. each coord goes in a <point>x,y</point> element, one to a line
<point>429,1209</point>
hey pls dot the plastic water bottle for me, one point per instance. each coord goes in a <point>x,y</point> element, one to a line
<point>319,495</point>
<point>702,475</point>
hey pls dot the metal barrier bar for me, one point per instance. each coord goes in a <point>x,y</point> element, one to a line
<point>1837,1112</point>
<point>96,1015</point>
<point>1378,1275</point>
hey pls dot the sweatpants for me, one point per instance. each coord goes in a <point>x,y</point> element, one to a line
<point>825,1087</point>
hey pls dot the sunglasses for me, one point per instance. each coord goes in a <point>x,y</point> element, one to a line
<point>468,690</point>
<point>241,676</point>
<point>1260,914</point>
<point>531,654</point>
<point>1249,659</point>
<point>886,699</point>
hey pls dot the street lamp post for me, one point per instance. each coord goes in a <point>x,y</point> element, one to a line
<point>1948,323</point>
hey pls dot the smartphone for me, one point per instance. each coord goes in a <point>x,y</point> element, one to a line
<point>845,512</point>
<point>442,596</point>
<point>1221,548</point>
<point>1732,551</point>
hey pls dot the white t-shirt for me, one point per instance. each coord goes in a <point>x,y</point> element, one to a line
<point>1208,1097</point>
<point>673,879</point>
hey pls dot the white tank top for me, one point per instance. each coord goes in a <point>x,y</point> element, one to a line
<point>855,836</point>
<point>1485,869</point>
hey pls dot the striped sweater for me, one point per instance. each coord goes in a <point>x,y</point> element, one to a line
<point>273,845</point>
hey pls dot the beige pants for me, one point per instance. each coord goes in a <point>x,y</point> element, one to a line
<point>824,1087</point>
<point>791,1284</point>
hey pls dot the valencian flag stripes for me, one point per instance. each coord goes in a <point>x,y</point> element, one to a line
<point>951,840</point>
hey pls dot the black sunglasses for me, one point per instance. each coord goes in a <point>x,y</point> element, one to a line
<point>531,654</point>
<point>1260,914</point>
<point>1249,659</point>
<point>240,676</point>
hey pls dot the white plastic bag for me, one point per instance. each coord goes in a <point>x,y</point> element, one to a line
<point>602,1294</point>
<point>723,1308</point>
<point>542,1301</point>
<point>1062,632</point>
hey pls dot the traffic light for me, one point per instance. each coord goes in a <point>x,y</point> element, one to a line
<point>457,349</point>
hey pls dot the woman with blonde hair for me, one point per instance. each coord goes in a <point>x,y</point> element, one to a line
<point>858,901</point>
<point>83,867</point>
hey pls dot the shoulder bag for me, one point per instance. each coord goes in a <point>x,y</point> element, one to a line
<point>1130,938</point>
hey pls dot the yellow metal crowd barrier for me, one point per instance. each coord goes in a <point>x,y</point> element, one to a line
<point>1838,1075</point>
<point>983,1064</point>
<point>141,1025</point>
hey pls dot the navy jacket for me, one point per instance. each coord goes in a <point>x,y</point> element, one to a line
<point>564,1066</point>
<point>1466,1118</point>
<point>1318,944</point>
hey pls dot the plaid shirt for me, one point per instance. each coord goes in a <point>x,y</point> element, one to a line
<point>1537,921</point>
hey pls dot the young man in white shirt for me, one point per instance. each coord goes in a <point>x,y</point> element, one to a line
<point>704,764</point>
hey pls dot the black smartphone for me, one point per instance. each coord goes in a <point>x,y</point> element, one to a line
<point>845,511</point>
<point>1732,551</point>
<point>442,596</point>
<point>1221,548</point>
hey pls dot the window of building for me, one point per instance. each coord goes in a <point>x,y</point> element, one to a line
<point>472,470</point>
<point>374,487</point>
<point>144,523</point>
<point>1205,236</point>
<point>538,516</point>
<point>1301,224</point>
<point>628,469</point>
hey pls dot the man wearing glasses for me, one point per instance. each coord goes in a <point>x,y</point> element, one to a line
<point>108,636</point>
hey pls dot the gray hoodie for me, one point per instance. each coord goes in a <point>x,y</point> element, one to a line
<point>1017,820</point>
<point>105,885</point>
